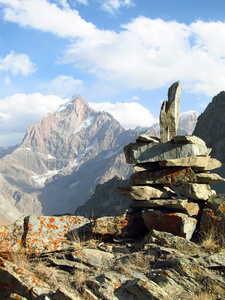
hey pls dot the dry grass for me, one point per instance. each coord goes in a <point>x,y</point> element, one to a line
<point>93,243</point>
<point>209,292</point>
<point>212,239</point>
<point>48,275</point>
<point>77,244</point>
<point>21,260</point>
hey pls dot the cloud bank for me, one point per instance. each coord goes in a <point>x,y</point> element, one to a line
<point>146,53</point>
<point>129,114</point>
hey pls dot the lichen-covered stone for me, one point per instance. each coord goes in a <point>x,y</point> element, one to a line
<point>176,223</point>
<point>167,177</point>
<point>38,234</point>
<point>126,225</point>
<point>22,282</point>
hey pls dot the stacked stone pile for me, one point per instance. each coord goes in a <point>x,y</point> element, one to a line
<point>172,180</point>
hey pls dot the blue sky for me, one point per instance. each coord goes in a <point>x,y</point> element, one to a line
<point>120,55</point>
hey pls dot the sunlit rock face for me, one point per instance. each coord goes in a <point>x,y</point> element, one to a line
<point>63,157</point>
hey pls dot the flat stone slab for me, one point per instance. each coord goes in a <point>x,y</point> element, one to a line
<point>197,163</point>
<point>92,257</point>
<point>195,191</point>
<point>148,152</point>
<point>147,139</point>
<point>177,205</point>
<point>168,176</point>
<point>210,178</point>
<point>176,223</point>
<point>68,263</point>
<point>145,192</point>
<point>188,139</point>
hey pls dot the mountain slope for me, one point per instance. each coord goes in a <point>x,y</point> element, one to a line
<point>211,128</point>
<point>64,156</point>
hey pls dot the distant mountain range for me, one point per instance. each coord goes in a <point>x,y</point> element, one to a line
<point>63,157</point>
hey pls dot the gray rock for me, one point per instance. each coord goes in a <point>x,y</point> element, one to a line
<point>68,263</point>
<point>92,257</point>
<point>167,239</point>
<point>169,115</point>
<point>210,178</point>
<point>147,139</point>
<point>176,223</point>
<point>195,191</point>
<point>148,152</point>
<point>197,163</point>
<point>141,289</point>
<point>188,139</point>
<point>178,205</point>
<point>145,192</point>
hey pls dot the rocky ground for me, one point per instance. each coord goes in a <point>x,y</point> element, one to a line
<point>72,257</point>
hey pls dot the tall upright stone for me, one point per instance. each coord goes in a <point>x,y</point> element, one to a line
<point>169,115</point>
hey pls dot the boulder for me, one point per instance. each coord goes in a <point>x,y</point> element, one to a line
<point>197,163</point>
<point>168,240</point>
<point>169,114</point>
<point>126,225</point>
<point>176,223</point>
<point>195,191</point>
<point>178,205</point>
<point>149,152</point>
<point>213,215</point>
<point>38,234</point>
<point>168,176</point>
<point>145,192</point>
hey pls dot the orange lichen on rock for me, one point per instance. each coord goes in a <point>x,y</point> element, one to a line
<point>35,234</point>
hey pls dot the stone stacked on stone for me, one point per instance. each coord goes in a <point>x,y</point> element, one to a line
<point>172,179</point>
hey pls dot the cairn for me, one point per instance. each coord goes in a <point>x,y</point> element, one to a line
<point>172,181</point>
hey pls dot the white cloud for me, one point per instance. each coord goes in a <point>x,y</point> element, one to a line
<point>153,53</point>
<point>146,53</point>
<point>113,5</point>
<point>128,114</point>
<point>19,111</point>
<point>63,86</point>
<point>17,63</point>
<point>7,80</point>
<point>43,15</point>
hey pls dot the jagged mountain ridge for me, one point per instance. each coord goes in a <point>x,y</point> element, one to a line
<point>63,157</point>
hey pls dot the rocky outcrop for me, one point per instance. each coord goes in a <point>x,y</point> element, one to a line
<point>70,257</point>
